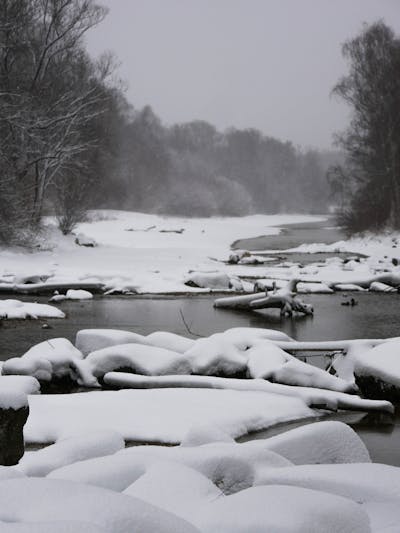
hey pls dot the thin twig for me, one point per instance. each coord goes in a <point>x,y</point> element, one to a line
<point>186,325</point>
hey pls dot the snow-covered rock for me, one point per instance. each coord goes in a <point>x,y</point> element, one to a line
<point>84,240</point>
<point>40,500</point>
<point>90,340</point>
<point>282,509</point>
<point>170,341</point>
<point>54,358</point>
<point>163,415</point>
<point>137,358</point>
<point>268,361</point>
<point>72,294</point>
<point>216,355</point>
<point>16,309</point>
<point>176,488</point>
<point>70,450</point>
<point>320,442</point>
<point>377,286</point>
<point>208,280</point>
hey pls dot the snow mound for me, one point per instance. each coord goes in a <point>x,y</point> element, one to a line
<point>48,359</point>
<point>163,415</point>
<point>170,341</point>
<point>247,336</point>
<point>40,500</point>
<point>320,442</point>
<point>216,355</point>
<point>361,482</point>
<point>72,294</point>
<point>15,309</point>
<point>175,488</point>
<point>208,280</point>
<point>70,450</point>
<point>381,362</point>
<point>24,384</point>
<point>139,359</point>
<point>268,361</point>
<point>90,340</point>
<point>282,509</point>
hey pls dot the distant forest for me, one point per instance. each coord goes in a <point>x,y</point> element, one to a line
<point>193,169</point>
<point>70,141</point>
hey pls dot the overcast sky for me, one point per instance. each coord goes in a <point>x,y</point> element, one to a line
<point>268,64</point>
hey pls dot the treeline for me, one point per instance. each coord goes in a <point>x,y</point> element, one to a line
<point>368,184</point>
<point>69,140</point>
<point>193,169</point>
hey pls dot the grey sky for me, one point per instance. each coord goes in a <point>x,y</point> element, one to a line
<point>268,64</point>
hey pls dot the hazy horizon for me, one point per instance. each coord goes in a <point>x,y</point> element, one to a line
<point>264,64</point>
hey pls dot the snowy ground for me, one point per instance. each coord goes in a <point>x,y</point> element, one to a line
<point>146,253</point>
<point>138,251</point>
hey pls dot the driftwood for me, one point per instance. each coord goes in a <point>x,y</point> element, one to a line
<point>284,299</point>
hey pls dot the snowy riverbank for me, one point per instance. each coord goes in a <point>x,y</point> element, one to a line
<point>149,254</point>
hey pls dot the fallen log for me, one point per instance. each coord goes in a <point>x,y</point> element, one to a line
<point>284,299</point>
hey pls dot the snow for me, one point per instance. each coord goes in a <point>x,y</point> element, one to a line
<point>139,358</point>
<point>282,509</point>
<point>382,362</point>
<point>175,488</point>
<point>163,415</point>
<point>140,261</point>
<point>72,294</point>
<point>15,309</point>
<point>320,442</point>
<point>311,396</point>
<point>230,466</point>
<point>170,341</point>
<point>41,500</point>
<point>216,355</point>
<point>48,359</point>
<point>70,450</point>
<point>89,340</point>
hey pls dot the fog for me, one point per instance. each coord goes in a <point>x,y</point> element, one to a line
<point>265,64</point>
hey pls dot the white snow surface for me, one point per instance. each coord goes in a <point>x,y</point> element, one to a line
<point>140,261</point>
<point>41,500</point>
<point>52,358</point>
<point>70,450</point>
<point>90,340</point>
<point>163,415</point>
<point>282,509</point>
<point>16,309</point>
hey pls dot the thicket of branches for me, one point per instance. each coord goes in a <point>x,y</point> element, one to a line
<point>70,141</point>
<point>369,182</point>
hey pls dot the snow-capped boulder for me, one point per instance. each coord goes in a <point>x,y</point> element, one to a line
<point>320,442</point>
<point>90,340</point>
<point>284,509</point>
<point>170,341</point>
<point>176,488</point>
<point>84,240</point>
<point>137,358</point>
<point>41,500</point>
<point>216,355</point>
<point>48,360</point>
<point>17,310</point>
<point>208,280</point>
<point>70,450</point>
